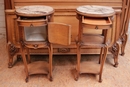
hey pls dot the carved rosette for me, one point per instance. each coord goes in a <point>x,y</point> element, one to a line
<point>64,50</point>
<point>12,49</point>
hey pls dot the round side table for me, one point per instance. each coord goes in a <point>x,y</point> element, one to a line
<point>33,34</point>
<point>35,11</point>
<point>95,18</point>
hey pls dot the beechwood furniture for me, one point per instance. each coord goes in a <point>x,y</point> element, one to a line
<point>99,19</point>
<point>33,34</point>
<point>65,13</point>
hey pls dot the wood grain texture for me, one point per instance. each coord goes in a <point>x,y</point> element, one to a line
<point>59,33</point>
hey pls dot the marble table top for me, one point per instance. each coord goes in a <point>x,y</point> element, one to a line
<point>95,9</point>
<point>34,10</point>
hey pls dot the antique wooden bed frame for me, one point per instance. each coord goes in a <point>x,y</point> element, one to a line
<point>65,13</point>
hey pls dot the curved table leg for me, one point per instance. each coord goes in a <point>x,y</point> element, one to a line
<point>12,50</point>
<point>124,40</point>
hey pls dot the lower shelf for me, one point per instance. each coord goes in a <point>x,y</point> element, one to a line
<point>38,67</point>
<point>89,67</point>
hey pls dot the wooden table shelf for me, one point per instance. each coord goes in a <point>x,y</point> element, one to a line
<point>89,67</point>
<point>88,40</point>
<point>38,67</point>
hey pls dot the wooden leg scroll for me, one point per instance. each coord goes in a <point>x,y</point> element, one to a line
<point>12,50</point>
<point>115,51</point>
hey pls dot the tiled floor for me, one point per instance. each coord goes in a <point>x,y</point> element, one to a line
<point>63,77</point>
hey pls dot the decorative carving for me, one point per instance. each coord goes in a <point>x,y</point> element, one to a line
<point>63,50</point>
<point>35,46</point>
<point>31,25</point>
<point>22,43</point>
<point>96,27</point>
<point>115,51</point>
<point>12,50</point>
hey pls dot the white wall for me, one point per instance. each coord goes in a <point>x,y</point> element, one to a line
<point>2,19</point>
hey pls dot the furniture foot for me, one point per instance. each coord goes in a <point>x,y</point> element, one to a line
<point>76,76</point>
<point>50,78</point>
<point>12,61</point>
<point>122,53</point>
<point>116,64</point>
<point>10,65</point>
<point>100,80</point>
<point>26,80</point>
<point>115,52</point>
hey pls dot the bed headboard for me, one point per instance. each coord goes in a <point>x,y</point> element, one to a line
<point>63,4</point>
